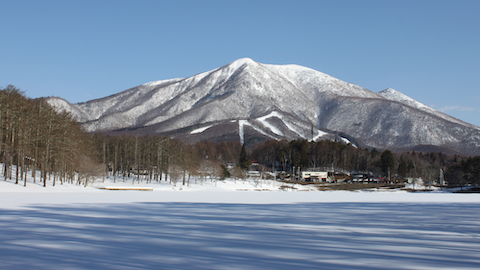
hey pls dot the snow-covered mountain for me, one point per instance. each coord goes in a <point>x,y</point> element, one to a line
<point>250,102</point>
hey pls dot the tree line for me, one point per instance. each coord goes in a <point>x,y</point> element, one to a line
<point>162,158</point>
<point>157,158</point>
<point>340,157</point>
<point>36,138</point>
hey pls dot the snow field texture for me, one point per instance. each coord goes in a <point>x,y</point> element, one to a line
<point>233,225</point>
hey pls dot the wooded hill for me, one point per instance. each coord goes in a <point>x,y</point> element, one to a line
<point>37,139</point>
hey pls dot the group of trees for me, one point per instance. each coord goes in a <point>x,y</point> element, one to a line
<point>162,158</point>
<point>336,156</point>
<point>152,156</point>
<point>36,138</point>
<point>322,155</point>
<point>467,171</point>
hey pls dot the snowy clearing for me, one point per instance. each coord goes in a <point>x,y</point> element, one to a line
<point>200,130</point>
<point>272,128</point>
<point>233,225</point>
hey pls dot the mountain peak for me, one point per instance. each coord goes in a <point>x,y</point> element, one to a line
<point>241,62</point>
<point>255,101</point>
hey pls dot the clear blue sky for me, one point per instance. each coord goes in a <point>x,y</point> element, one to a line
<point>82,50</point>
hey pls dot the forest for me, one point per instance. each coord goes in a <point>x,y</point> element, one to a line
<point>36,138</point>
<point>50,146</point>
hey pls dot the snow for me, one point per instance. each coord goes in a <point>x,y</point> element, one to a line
<point>347,141</point>
<point>62,105</point>
<point>139,105</point>
<point>245,89</point>
<point>292,128</point>
<point>319,135</point>
<point>307,78</point>
<point>241,131</point>
<point>157,83</point>
<point>200,130</point>
<point>241,62</point>
<point>264,121</point>
<point>233,225</point>
<point>394,95</point>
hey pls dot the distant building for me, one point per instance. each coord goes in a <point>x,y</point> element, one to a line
<point>253,174</point>
<point>364,178</point>
<point>315,176</point>
<point>359,178</point>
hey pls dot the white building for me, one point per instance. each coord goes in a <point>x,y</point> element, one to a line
<point>315,176</point>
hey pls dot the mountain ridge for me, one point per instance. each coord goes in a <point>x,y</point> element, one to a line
<point>273,101</point>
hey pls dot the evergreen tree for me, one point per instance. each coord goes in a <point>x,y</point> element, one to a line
<point>244,162</point>
<point>387,162</point>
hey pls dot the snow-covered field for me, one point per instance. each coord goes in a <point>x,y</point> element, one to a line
<point>234,225</point>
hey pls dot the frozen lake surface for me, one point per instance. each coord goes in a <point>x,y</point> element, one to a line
<point>87,228</point>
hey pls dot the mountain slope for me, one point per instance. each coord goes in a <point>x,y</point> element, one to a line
<point>250,102</point>
<point>393,95</point>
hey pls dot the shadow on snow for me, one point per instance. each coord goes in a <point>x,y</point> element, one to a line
<point>241,236</point>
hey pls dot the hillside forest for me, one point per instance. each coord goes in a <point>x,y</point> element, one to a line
<point>54,148</point>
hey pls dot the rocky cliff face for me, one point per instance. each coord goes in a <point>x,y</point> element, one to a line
<point>250,102</point>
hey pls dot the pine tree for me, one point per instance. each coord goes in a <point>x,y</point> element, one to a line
<point>244,162</point>
<point>387,162</point>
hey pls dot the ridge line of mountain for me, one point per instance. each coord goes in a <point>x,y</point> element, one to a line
<point>245,89</point>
